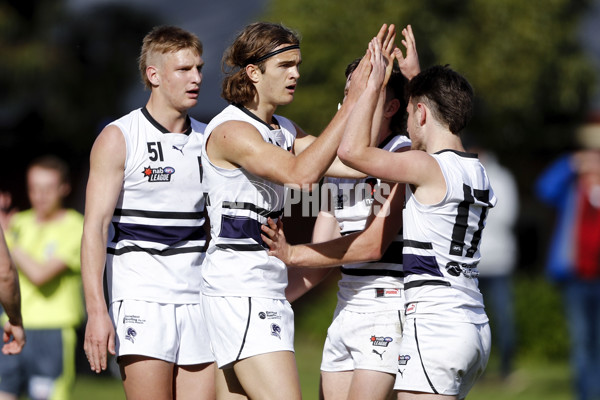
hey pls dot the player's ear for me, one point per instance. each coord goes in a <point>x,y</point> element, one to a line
<point>153,75</point>
<point>253,72</point>
<point>421,114</point>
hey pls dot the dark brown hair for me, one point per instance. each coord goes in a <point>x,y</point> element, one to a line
<point>448,95</point>
<point>255,41</point>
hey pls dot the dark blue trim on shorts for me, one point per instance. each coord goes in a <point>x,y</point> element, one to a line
<point>421,359</point>
<point>246,330</point>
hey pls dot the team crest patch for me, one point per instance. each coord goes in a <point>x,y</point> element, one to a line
<point>276,331</point>
<point>158,174</point>
<point>381,341</point>
<point>131,334</point>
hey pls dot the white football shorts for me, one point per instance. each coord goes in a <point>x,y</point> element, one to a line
<point>442,357</point>
<point>363,340</point>
<point>172,332</point>
<point>242,327</point>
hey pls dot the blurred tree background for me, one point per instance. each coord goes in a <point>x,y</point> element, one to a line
<point>62,77</point>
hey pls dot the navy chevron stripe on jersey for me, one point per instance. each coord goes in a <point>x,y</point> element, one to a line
<point>425,282</point>
<point>240,247</point>
<point>155,252</point>
<point>233,227</point>
<point>158,214</point>
<point>417,244</point>
<point>372,272</point>
<point>167,235</point>
<point>414,264</point>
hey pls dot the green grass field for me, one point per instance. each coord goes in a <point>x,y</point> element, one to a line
<point>532,380</point>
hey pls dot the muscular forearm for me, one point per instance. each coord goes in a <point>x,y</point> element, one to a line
<point>10,297</point>
<point>357,135</point>
<point>93,258</point>
<point>10,294</point>
<point>356,247</point>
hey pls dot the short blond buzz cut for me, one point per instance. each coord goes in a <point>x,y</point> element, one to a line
<point>162,40</point>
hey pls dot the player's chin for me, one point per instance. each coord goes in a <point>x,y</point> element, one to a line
<point>190,102</point>
<point>287,99</point>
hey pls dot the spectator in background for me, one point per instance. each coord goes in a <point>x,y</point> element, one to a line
<point>10,300</point>
<point>571,185</point>
<point>44,242</point>
<point>499,247</point>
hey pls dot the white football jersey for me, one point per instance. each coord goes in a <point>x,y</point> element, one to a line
<point>238,203</point>
<point>156,242</point>
<point>352,200</point>
<point>441,242</point>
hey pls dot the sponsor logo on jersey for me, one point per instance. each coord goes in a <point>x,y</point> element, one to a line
<point>381,341</point>
<point>276,331</point>
<point>467,270</point>
<point>403,359</point>
<point>269,315</point>
<point>411,308</point>
<point>379,354</point>
<point>133,319</point>
<point>383,292</point>
<point>158,174</point>
<point>131,334</point>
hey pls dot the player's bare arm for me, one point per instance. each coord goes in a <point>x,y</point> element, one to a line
<point>10,299</point>
<point>368,245</point>
<point>107,162</point>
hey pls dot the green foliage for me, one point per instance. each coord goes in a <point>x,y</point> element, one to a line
<point>529,73</point>
<point>541,328</point>
<point>61,75</point>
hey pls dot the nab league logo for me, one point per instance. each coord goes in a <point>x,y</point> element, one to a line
<point>159,174</point>
<point>381,341</point>
<point>403,359</point>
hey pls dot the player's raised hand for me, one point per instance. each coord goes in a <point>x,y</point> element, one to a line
<point>378,64</point>
<point>387,41</point>
<point>360,76</point>
<point>409,64</point>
